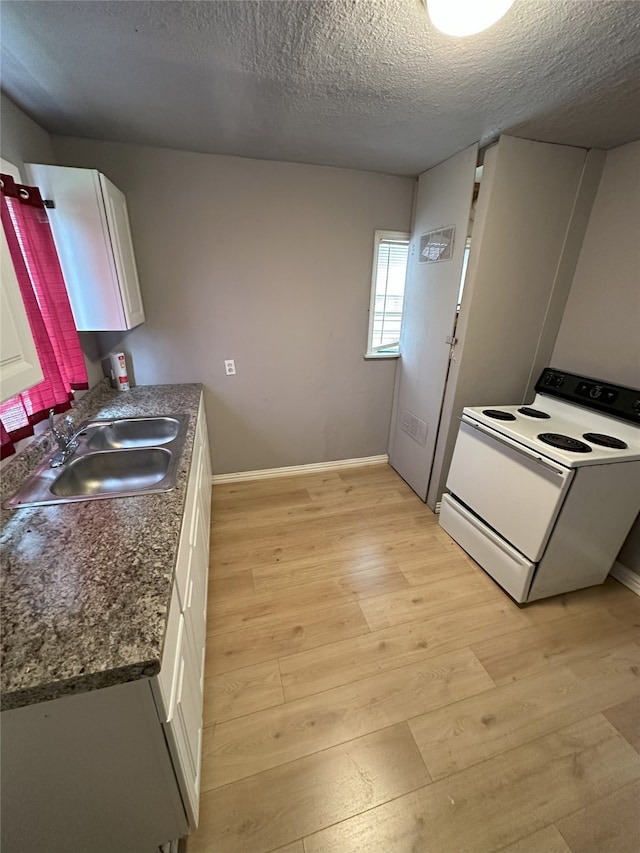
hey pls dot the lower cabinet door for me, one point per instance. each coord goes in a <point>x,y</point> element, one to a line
<point>184,727</point>
<point>188,714</point>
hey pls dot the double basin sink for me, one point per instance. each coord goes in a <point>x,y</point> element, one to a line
<point>114,458</point>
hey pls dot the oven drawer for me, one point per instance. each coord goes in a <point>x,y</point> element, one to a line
<point>505,565</point>
<point>512,489</point>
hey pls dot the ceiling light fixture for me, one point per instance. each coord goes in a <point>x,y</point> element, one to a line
<point>466,17</point>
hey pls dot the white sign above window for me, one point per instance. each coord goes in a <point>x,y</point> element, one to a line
<point>436,246</point>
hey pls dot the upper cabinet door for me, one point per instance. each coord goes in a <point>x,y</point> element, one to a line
<point>123,256</point>
<point>19,364</point>
<point>91,230</point>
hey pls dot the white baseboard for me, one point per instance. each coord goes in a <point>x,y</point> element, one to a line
<point>626,576</point>
<point>313,468</point>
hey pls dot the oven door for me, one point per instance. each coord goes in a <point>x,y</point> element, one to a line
<point>511,488</point>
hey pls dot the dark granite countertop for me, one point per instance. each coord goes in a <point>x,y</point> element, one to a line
<point>86,587</point>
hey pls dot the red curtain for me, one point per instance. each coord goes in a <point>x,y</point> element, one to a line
<point>44,294</point>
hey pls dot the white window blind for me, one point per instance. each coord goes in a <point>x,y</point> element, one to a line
<point>387,292</point>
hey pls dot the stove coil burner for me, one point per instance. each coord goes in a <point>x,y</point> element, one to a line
<point>533,413</point>
<point>605,440</point>
<point>564,442</point>
<point>499,415</point>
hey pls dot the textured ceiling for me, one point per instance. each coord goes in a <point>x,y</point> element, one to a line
<point>365,84</point>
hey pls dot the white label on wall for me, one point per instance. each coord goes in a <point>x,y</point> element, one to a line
<point>437,245</point>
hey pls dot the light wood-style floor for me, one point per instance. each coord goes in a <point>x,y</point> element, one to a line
<point>370,689</point>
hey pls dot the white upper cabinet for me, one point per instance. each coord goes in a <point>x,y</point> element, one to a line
<point>19,364</point>
<point>91,230</point>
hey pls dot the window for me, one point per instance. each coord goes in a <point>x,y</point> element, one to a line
<point>463,274</point>
<point>46,302</point>
<point>391,250</point>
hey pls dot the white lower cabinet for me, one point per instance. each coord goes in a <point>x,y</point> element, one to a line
<point>117,770</point>
<point>179,686</point>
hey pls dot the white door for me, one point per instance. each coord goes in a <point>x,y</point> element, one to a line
<point>431,294</point>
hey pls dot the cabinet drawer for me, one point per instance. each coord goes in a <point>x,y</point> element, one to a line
<point>196,574</point>
<point>183,569</point>
<point>188,535</point>
<point>183,565</point>
<point>202,561</point>
<point>195,611</point>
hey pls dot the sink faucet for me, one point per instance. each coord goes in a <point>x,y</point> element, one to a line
<point>65,438</point>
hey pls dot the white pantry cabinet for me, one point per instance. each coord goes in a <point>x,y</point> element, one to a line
<point>19,363</point>
<point>533,205</point>
<point>117,770</point>
<point>90,226</point>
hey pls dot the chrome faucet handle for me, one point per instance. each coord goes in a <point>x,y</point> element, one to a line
<point>65,439</point>
<point>59,437</point>
<point>69,428</point>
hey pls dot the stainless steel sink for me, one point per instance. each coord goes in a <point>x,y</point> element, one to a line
<point>111,473</point>
<point>115,458</point>
<point>131,432</point>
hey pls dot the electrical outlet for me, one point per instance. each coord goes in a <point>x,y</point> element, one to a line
<point>230,367</point>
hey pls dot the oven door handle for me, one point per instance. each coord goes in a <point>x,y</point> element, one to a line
<point>514,445</point>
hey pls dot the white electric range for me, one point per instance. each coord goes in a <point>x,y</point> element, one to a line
<point>543,496</point>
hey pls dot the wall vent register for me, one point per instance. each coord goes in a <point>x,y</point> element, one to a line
<point>414,427</point>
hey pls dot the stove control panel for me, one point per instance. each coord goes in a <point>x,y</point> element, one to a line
<point>615,400</point>
<point>597,392</point>
<point>552,379</point>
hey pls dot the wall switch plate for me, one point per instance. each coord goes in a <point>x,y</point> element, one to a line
<point>230,367</point>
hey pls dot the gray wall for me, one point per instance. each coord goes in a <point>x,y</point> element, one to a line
<point>629,556</point>
<point>23,141</point>
<point>267,263</point>
<point>600,330</point>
